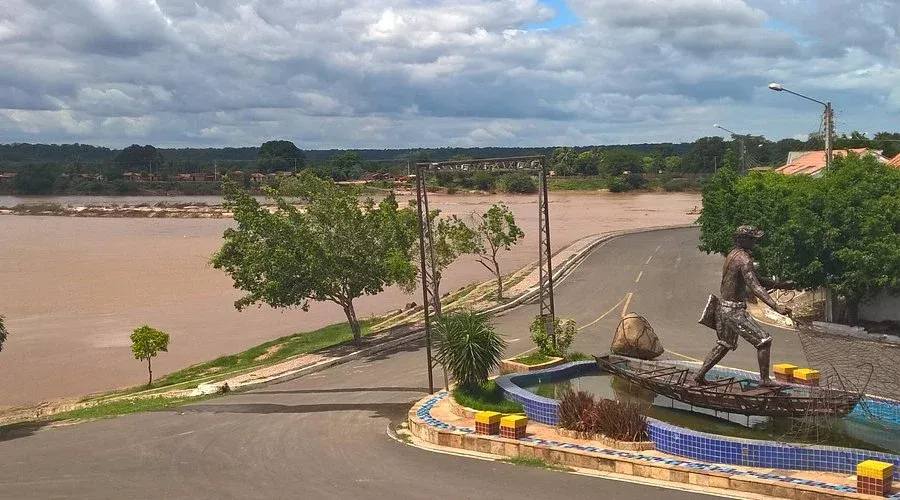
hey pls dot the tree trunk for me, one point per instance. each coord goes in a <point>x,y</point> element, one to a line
<point>354,323</point>
<point>852,312</point>
<point>436,296</point>
<point>499,280</point>
<point>149,369</point>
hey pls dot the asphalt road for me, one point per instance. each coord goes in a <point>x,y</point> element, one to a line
<point>324,435</point>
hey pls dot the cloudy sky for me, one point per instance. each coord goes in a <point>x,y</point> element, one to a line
<point>430,73</point>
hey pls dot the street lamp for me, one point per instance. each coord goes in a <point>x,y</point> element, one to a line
<point>829,118</point>
<point>740,143</point>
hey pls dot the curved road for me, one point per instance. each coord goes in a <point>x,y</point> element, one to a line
<point>324,435</point>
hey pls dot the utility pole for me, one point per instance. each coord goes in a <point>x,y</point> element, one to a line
<point>829,134</point>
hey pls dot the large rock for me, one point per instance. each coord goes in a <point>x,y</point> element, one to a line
<point>635,338</point>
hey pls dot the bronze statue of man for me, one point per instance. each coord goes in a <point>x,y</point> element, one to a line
<point>731,317</point>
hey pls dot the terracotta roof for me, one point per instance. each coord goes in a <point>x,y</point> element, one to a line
<point>895,162</point>
<point>813,162</point>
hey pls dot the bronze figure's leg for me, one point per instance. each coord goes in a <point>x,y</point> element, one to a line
<point>718,352</point>
<point>763,355</point>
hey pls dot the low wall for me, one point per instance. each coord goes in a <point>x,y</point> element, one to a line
<point>699,445</point>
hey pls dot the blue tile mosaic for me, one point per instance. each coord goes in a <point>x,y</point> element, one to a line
<point>708,447</point>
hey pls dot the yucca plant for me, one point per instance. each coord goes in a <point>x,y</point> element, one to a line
<point>468,347</point>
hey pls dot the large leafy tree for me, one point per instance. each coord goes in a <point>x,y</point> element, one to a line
<point>618,160</point>
<point>280,155</point>
<point>335,248</point>
<point>35,179</point>
<point>841,231</point>
<point>562,161</point>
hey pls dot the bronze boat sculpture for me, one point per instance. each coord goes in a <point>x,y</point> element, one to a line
<point>731,394</point>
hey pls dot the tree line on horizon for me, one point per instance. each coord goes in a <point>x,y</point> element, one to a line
<point>86,169</point>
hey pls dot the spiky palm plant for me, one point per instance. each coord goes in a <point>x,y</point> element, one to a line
<point>469,347</point>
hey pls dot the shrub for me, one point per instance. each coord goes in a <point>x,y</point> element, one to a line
<point>517,182</point>
<point>482,180</point>
<point>575,411</point>
<point>676,185</point>
<point>469,347</point>
<point>565,334</point>
<point>618,185</point>
<point>579,411</point>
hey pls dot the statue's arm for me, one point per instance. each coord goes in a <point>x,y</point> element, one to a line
<point>750,278</point>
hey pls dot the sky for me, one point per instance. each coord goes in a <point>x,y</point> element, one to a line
<point>435,73</point>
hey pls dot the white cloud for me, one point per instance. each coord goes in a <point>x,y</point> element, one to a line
<point>383,73</point>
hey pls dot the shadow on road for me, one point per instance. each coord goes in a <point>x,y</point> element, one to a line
<point>20,430</point>
<point>392,411</point>
<point>410,347</point>
<point>423,390</point>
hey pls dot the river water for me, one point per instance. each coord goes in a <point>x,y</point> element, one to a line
<point>75,288</point>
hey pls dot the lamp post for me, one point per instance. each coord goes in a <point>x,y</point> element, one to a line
<point>829,119</point>
<point>740,143</point>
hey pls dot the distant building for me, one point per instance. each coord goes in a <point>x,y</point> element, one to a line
<point>7,176</point>
<point>895,161</point>
<point>813,162</point>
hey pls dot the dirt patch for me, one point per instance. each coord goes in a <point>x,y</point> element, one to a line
<point>269,353</point>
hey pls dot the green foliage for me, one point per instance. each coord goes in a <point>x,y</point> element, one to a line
<point>486,397</point>
<point>577,184</point>
<point>36,179</point>
<point>534,358</point>
<point>146,343</point>
<point>277,156</point>
<point>482,180</point>
<point>335,249</point>
<point>627,182</point>
<point>564,330</point>
<point>494,231</point>
<point>468,347</point>
<point>588,163</point>
<point>562,161</point>
<point>841,231</point>
<point>4,333</point>
<point>536,462</point>
<point>619,160</point>
<point>517,183</point>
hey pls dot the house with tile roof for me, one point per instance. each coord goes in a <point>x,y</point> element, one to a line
<point>813,162</point>
<point>895,161</point>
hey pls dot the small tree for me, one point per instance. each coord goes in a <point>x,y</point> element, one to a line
<point>564,330</point>
<point>451,237</point>
<point>469,347</point>
<point>146,343</point>
<point>495,230</point>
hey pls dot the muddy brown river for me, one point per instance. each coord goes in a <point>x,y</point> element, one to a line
<point>75,288</point>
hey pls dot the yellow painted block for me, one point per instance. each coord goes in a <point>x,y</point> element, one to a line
<point>806,374</point>
<point>514,421</point>
<point>488,417</point>
<point>784,368</point>
<point>875,469</point>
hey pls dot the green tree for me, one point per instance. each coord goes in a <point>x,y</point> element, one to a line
<point>335,249</point>
<point>280,156</point>
<point>705,154</point>
<point>618,160</point>
<point>841,231</point>
<point>562,161</point>
<point>146,343</point>
<point>495,230</point>
<point>137,158</point>
<point>588,163</point>
<point>673,164</point>
<point>35,179</point>
<point>517,182</point>
<point>482,180</point>
<point>731,161</point>
<point>451,238</point>
<point>346,165</point>
<point>469,347</point>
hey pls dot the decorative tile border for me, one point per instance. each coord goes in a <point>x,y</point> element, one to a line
<point>433,430</point>
<point>703,446</point>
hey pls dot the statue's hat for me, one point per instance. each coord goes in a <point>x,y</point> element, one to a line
<point>750,231</point>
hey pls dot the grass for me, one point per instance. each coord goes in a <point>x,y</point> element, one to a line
<point>578,356</point>
<point>577,184</point>
<point>535,462</point>
<point>124,407</point>
<point>287,347</point>
<point>488,397</point>
<point>534,358</point>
